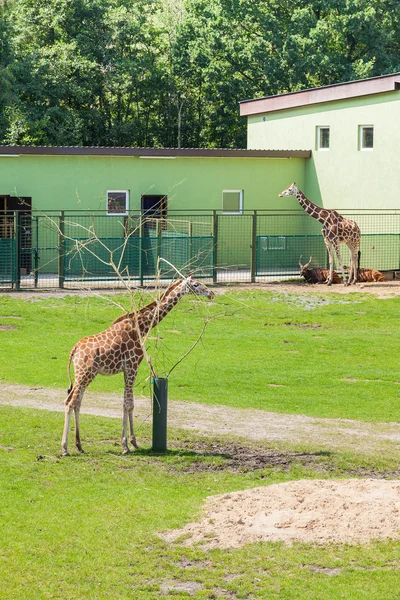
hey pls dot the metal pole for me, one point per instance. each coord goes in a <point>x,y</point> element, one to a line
<point>253,268</point>
<point>215,245</point>
<point>160,397</point>
<point>61,251</point>
<point>18,248</point>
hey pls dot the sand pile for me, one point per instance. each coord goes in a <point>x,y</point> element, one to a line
<point>317,512</point>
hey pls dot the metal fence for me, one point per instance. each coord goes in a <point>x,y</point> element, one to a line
<point>75,250</point>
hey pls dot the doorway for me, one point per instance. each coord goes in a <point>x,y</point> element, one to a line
<point>154,208</point>
<point>8,206</point>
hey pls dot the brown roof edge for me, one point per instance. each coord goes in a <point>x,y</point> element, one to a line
<point>151,152</point>
<point>328,93</point>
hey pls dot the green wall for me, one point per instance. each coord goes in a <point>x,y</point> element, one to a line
<point>81,182</point>
<point>342,177</point>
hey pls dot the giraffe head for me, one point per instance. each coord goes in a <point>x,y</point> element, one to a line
<point>291,190</point>
<point>192,286</point>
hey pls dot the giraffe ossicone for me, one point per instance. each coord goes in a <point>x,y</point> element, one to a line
<point>336,230</point>
<point>120,348</point>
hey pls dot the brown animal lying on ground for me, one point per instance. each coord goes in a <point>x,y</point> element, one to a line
<point>317,275</point>
<point>365,275</point>
<point>370,275</point>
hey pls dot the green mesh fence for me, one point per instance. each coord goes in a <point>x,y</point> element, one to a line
<point>279,255</point>
<point>71,247</point>
<point>135,258</point>
<point>7,261</point>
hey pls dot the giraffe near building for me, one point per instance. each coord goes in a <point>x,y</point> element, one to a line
<point>120,348</point>
<point>336,230</point>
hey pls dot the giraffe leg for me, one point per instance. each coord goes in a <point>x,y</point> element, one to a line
<point>128,413</point>
<point>338,254</point>
<point>64,442</point>
<point>73,403</point>
<point>330,254</point>
<point>77,408</point>
<point>353,267</point>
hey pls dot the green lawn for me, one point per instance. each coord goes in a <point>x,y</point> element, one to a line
<point>326,356</point>
<point>86,526</point>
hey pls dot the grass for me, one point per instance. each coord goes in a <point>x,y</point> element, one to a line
<point>86,526</point>
<point>323,356</point>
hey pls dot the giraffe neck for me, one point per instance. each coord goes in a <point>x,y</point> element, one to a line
<point>153,313</point>
<point>312,209</point>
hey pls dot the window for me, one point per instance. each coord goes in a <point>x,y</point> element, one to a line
<point>366,137</point>
<point>232,201</point>
<point>117,202</point>
<point>273,242</point>
<point>323,134</point>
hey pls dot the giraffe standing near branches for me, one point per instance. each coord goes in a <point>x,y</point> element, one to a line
<point>120,348</point>
<point>336,230</point>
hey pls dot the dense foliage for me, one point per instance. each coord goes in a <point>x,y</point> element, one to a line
<point>172,72</point>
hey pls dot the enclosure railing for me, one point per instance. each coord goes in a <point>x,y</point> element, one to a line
<point>80,249</point>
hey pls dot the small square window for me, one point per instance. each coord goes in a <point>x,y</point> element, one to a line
<point>273,242</point>
<point>117,202</point>
<point>232,201</point>
<point>366,137</point>
<point>323,137</point>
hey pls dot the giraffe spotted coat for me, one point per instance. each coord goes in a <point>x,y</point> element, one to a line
<point>336,230</point>
<point>120,349</point>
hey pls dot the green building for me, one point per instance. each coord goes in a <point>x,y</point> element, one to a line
<point>353,132</point>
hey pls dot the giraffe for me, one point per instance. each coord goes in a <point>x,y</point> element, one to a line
<point>336,230</point>
<point>119,349</point>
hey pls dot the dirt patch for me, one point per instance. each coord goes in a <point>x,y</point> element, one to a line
<point>350,511</point>
<point>382,289</point>
<point>201,456</point>
<point>239,458</point>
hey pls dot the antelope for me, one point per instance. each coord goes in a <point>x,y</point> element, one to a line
<point>317,275</point>
<point>370,275</point>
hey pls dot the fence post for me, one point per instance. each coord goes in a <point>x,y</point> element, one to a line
<point>61,251</point>
<point>18,252</point>
<point>141,233</point>
<point>36,254</point>
<point>253,268</point>
<point>160,397</point>
<point>215,245</point>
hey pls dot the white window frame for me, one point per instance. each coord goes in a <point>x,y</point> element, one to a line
<point>240,211</point>
<point>118,214</point>
<point>319,129</point>
<point>361,147</point>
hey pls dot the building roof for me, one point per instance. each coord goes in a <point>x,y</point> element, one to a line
<point>327,93</point>
<point>150,152</point>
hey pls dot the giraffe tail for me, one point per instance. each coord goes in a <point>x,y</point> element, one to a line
<point>71,355</point>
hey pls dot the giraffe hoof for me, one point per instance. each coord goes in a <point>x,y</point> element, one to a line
<point>126,451</point>
<point>65,454</point>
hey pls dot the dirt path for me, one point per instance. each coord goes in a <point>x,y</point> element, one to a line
<point>209,420</point>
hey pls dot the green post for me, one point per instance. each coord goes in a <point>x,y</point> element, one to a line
<point>215,245</point>
<point>141,249</point>
<point>160,397</point>
<point>61,251</point>
<point>18,248</point>
<point>36,254</point>
<point>254,248</point>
